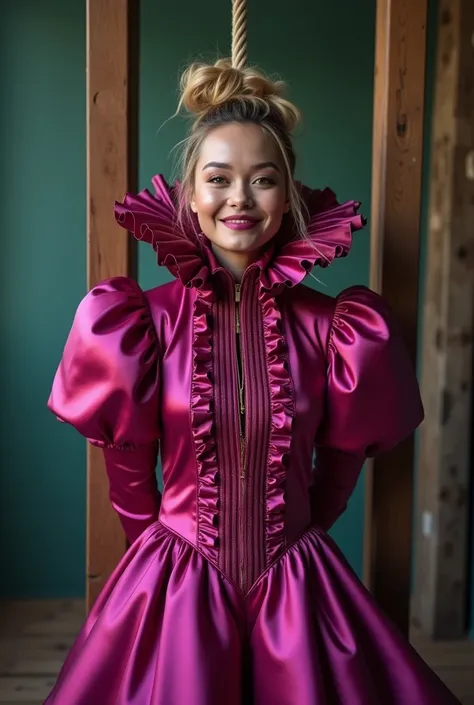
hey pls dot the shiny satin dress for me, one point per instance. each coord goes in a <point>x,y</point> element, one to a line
<point>232,592</point>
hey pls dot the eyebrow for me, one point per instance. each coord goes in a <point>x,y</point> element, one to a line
<point>224,165</point>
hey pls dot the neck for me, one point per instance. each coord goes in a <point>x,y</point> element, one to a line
<point>235,262</point>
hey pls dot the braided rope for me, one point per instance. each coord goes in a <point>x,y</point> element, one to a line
<point>239,34</point>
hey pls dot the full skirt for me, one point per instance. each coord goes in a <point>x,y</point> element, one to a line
<point>170,629</point>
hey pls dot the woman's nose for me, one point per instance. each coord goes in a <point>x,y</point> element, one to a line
<point>240,196</point>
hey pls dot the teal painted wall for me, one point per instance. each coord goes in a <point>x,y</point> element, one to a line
<point>43,275</point>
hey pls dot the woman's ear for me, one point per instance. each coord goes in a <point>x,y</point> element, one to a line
<point>193,205</point>
<point>286,208</point>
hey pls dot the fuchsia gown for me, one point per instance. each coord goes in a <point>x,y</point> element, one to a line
<point>232,592</point>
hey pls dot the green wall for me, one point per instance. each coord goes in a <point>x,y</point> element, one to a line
<point>43,260</point>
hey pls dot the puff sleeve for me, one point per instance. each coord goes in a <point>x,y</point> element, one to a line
<point>107,387</point>
<point>373,400</point>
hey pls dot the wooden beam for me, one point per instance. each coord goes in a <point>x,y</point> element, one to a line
<point>395,241</point>
<point>441,584</point>
<point>112,80</point>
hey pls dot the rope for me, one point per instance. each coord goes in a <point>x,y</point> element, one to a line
<point>239,34</point>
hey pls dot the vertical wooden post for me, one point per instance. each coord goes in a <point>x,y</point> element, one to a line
<point>395,237</point>
<point>441,584</point>
<point>112,30</point>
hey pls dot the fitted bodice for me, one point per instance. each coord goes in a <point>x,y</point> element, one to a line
<point>242,414</point>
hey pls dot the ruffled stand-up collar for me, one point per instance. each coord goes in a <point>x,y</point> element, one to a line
<point>152,218</point>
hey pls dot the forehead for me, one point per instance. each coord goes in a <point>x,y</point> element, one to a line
<point>239,144</point>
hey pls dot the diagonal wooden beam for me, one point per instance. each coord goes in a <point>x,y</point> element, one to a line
<point>441,568</point>
<point>112,81</point>
<point>395,241</point>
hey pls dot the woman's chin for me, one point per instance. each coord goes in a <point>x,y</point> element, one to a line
<point>242,242</point>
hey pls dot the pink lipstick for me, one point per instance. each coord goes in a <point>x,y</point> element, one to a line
<point>243,222</point>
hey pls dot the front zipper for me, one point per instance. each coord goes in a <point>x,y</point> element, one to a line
<point>243,428</point>
<point>241,385</point>
<point>240,372</point>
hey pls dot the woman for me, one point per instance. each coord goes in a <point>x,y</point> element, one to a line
<point>232,592</point>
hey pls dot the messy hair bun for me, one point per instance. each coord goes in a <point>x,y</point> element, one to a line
<point>207,87</point>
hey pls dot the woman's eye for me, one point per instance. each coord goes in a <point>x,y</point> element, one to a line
<point>264,181</point>
<point>217,180</point>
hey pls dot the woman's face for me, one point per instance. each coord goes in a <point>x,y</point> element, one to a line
<point>240,189</point>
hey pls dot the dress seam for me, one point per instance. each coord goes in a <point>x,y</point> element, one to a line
<point>286,550</point>
<point>201,553</point>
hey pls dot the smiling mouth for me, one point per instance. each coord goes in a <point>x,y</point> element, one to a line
<point>240,223</point>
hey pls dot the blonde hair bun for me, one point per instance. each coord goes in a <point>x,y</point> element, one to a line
<point>205,87</point>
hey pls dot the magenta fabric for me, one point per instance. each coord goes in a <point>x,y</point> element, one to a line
<point>232,592</point>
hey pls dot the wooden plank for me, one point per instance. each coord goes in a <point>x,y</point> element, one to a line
<point>452,661</point>
<point>395,240</point>
<point>112,31</point>
<point>379,162</point>
<point>40,666</point>
<point>23,690</point>
<point>441,584</point>
<point>455,655</point>
<point>45,647</point>
<point>35,636</point>
<point>40,617</point>
<point>23,702</point>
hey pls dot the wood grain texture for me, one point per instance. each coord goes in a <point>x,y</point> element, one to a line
<point>441,577</point>
<point>395,240</point>
<point>112,86</point>
<point>35,637</point>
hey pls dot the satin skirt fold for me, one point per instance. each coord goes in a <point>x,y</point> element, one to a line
<point>170,629</point>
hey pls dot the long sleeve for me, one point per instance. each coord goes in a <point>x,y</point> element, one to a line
<point>373,401</point>
<point>107,387</point>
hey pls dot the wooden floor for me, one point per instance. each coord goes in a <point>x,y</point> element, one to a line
<point>34,640</point>
<point>453,661</point>
<point>35,637</point>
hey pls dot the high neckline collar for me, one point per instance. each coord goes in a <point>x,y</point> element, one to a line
<point>261,262</point>
<point>285,262</point>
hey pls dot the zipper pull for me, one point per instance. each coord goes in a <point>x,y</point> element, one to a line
<point>242,402</point>
<point>237,309</point>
